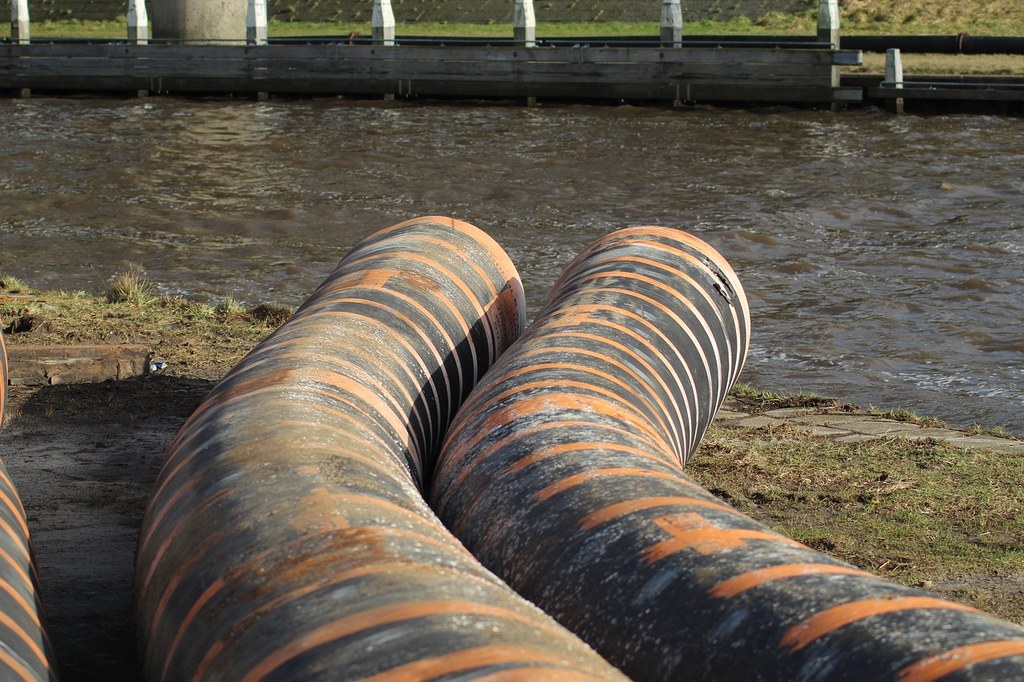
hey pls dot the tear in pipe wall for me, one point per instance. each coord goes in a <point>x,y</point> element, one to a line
<point>563,473</point>
<point>288,537</point>
<point>25,651</point>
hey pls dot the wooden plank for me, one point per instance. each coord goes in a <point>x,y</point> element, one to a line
<point>41,365</point>
<point>105,67</point>
<point>559,54</point>
<point>577,72</point>
<point>947,93</point>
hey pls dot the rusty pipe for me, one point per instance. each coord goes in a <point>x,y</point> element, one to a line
<point>25,650</point>
<point>563,473</point>
<point>288,538</point>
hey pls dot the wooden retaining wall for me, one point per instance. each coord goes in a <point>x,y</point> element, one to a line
<point>680,74</point>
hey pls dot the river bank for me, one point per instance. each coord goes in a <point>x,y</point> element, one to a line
<point>893,493</point>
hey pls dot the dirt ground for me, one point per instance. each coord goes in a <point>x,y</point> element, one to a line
<point>84,458</point>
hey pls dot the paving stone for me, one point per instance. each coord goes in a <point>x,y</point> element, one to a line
<point>1000,445</point>
<point>833,419</point>
<point>727,415</point>
<point>756,422</point>
<point>922,433</point>
<point>855,438</point>
<point>881,427</point>
<point>823,431</point>
<point>790,412</point>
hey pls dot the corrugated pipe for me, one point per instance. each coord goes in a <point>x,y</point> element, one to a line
<point>563,473</point>
<point>25,651</point>
<point>288,537</point>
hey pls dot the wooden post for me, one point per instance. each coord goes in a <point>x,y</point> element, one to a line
<point>19,21</point>
<point>138,22</point>
<point>671,23</point>
<point>828,22</point>
<point>383,23</point>
<point>894,76</point>
<point>524,24</point>
<point>256,23</point>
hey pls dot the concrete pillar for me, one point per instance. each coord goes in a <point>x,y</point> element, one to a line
<point>199,20</point>
<point>383,23</point>
<point>671,22</point>
<point>524,24</point>
<point>138,22</point>
<point>19,21</point>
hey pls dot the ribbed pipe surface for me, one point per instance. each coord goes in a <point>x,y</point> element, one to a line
<point>25,651</point>
<point>563,473</point>
<point>288,537</point>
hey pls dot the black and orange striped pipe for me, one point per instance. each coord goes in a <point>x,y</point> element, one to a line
<point>563,473</point>
<point>288,537</point>
<point>25,651</point>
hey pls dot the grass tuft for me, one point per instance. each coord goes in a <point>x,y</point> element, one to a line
<point>131,286</point>
<point>12,284</point>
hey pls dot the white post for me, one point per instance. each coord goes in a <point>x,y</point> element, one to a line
<point>671,23</point>
<point>828,22</point>
<point>256,23</point>
<point>383,23</point>
<point>894,75</point>
<point>524,24</point>
<point>19,21</point>
<point>138,22</point>
<point>893,68</point>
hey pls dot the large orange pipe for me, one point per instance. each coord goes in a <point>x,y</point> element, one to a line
<point>288,538</point>
<point>563,473</point>
<point>25,651</point>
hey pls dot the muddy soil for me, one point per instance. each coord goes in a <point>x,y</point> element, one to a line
<point>84,458</point>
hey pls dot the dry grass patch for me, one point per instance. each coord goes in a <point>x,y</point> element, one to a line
<point>196,338</point>
<point>921,512</point>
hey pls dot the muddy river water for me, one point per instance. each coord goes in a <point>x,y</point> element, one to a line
<point>883,256</point>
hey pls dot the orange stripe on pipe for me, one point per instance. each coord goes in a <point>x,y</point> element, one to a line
<point>624,370</point>
<point>570,482</point>
<point>685,328</point>
<point>372,618</point>
<point>614,511</point>
<point>29,609</point>
<point>543,453</point>
<point>437,325</point>
<point>21,547</point>
<point>466,660</point>
<point>691,531</point>
<point>538,672</point>
<point>25,637</point>
<point>11,500</point>
<point>510,411</point>
<point>725,270</point>
<point>830,620</point>
<point>9,663</point>
<point>697,287</point>
<point>656,418</point>
<point>746,581</point>
<point>478,456</point>
<point>368,500</point>
<point>948,662</point>
<point>582,314</point>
